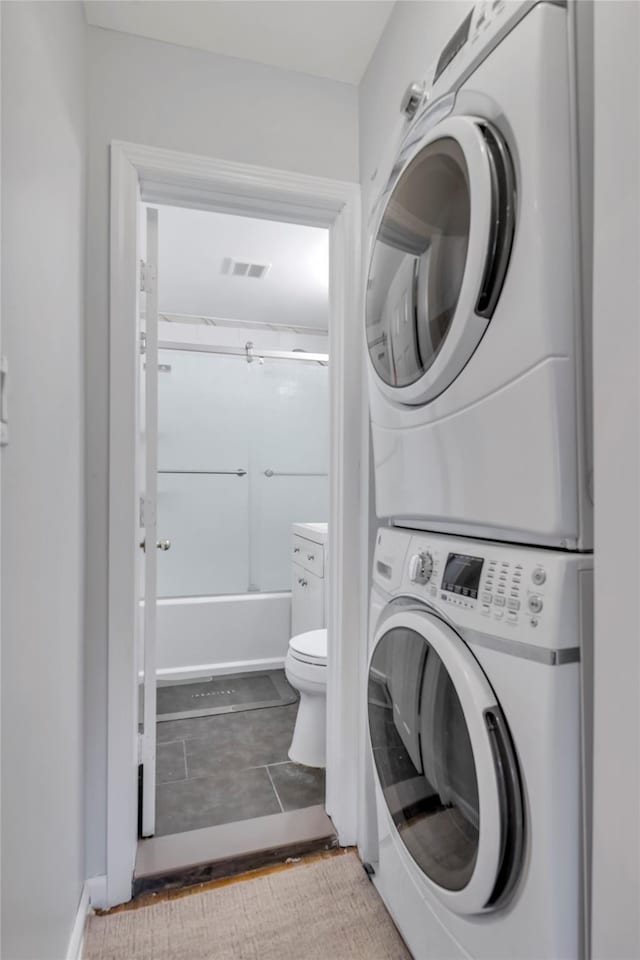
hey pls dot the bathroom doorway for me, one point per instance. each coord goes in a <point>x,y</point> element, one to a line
<point>241,417</point>
<point>161,177</point>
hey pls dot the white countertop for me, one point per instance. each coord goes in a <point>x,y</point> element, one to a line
<point>316,532</point>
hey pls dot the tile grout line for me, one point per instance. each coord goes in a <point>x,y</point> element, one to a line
<point>276,763</point>
<point>274,787</point>
<point>229,770</point>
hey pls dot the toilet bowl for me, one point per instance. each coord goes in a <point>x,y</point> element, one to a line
<point>306,670</point>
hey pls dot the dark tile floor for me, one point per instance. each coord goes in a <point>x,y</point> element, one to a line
<point>230,767</point>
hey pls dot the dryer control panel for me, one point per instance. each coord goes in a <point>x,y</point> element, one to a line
<point>478,33</point>
<point>507,590</point>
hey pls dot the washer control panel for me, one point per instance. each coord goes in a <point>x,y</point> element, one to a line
<point>522,593</point>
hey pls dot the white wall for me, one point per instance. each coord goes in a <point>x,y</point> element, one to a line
<point>43,234</point>
<point>163,95</point>
<point>616,838</point>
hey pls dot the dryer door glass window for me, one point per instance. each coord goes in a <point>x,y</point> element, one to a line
<point>418,264</point>
<point>423,756</point>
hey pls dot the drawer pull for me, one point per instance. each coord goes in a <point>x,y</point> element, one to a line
<point>311,556</point>
<point>302,582</point>
<point>296,549</point>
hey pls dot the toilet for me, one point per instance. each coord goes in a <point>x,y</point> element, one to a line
<point>306,670</point>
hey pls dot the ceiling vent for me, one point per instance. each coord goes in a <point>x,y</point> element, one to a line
<point>242,268</point>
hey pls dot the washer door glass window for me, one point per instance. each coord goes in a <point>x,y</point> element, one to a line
<point>418,264</point>
<point>445,763</point>
<point>424,759</point>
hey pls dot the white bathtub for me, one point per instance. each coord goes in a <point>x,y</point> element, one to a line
<point>198,636</point>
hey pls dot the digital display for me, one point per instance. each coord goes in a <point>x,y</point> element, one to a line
<point>462,575</point>
<point>454,45</point>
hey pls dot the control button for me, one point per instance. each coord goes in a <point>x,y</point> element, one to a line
<point>499,601</point>
<point>535,603</point>
<point>538,576</point>
<point>512,617</point>
<point>513,604</point>
<point>486,609</point>
<point>534,621</point>
<point>487,597</point>
<point>498,614</point>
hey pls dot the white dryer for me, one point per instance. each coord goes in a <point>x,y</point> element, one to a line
<point>476,372</point>
<point>475,744</point>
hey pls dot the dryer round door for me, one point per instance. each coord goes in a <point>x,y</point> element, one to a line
<point>445,762</point>
<point>439,258</point>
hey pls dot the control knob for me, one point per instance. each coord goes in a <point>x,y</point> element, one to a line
<point>413,99</point>
<point>421,567</point>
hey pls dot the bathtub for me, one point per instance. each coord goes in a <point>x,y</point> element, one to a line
<point>205,636</point>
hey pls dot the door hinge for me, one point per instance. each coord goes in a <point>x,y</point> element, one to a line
<point>147,276</point>
<point>143,344</point>
<point>141,512</point>
<point>4,412</point>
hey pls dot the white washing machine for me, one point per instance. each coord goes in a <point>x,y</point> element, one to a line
<point>477,380</point>
<point>475,744</point>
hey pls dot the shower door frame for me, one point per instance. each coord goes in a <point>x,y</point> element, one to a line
<point>155,175</point>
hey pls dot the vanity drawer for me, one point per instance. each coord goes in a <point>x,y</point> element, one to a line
<point>308,554</point>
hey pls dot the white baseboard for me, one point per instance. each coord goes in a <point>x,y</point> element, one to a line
<point>76,940</point>
<point>193,671</point>
<point>97,887</point>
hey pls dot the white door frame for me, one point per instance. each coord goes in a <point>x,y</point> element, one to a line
<point>167,176</point>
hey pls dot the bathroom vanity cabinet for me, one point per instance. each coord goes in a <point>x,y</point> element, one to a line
<point>309,564</point>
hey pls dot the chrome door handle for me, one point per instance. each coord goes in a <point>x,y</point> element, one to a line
<point>302,582</point>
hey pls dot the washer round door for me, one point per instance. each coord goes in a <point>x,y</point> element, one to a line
<point>445,762</point>
<point>439,258</point>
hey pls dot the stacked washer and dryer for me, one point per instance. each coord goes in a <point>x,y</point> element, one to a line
<point>481,600</point>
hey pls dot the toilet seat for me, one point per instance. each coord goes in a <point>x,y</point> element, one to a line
<point>310,647</point>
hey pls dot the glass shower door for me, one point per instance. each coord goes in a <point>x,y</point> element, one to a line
<point>203,473</point>
<point>289,462</point>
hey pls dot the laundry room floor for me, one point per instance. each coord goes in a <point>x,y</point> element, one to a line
<point>229,767</point>
<point>322,907</point>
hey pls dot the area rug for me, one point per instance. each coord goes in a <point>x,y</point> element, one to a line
<point>321,909</point>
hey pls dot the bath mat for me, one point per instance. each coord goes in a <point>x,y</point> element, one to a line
<point>323,909</point>
<point>229,694</point>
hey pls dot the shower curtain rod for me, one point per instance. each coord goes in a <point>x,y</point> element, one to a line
<point>247,351</point>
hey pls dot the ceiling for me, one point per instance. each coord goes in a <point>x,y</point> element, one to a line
<point>334,40</point>
<point>194,277</point>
